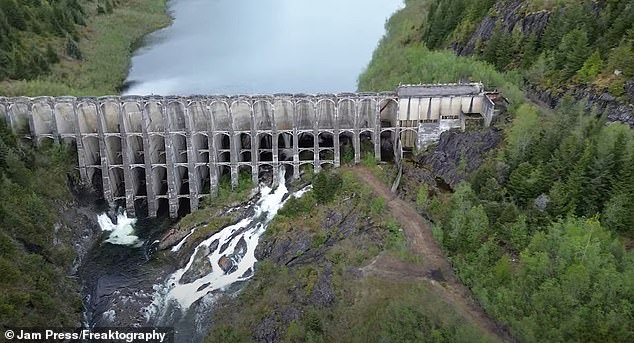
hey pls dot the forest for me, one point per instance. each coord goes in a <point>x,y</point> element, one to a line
<point>542,232</point>
<point>57,47</point>
<point>35,250</point>
<point>583,43</point>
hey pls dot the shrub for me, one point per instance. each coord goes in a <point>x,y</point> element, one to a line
<point>325,186</point>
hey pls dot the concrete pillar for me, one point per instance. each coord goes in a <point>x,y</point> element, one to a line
<point>255,145</point>
<point>234,156</point>
<point>152,204</point>
<point>55,130</point>
<point>32,124</point>
<point>126,151</point>
<point>335,138</point>
<point>397,133</point>
<point>316,159</point>
<point>377,130</point>
<point>213,153</point>
<point>356,134</point>
<point>192,159</point>
<point>276,149</point>
<point>79,141</point>
<point>170,158</point>
<point>296,174</point>
<point>103,154</point>
<point>4,114</point>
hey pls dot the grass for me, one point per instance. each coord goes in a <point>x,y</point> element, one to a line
<point>106,45</point>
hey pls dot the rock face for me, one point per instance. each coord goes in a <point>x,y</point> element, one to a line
<point>457,155</point>
<point>616,111</point>
<point>508,15</point>
<point>512,16</point>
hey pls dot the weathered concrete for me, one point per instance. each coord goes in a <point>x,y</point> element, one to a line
<point>166,150</point>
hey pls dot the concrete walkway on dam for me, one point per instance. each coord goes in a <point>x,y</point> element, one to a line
<point>168,153</point>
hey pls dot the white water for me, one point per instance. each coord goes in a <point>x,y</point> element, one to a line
<point>183,295</point>
<point>178,246</point>
<point>121,233</point>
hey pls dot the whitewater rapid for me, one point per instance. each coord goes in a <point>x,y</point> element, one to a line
<point>121,233</point>
<point>229,255</point>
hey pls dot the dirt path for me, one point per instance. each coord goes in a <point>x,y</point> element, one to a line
<point>435,267</point>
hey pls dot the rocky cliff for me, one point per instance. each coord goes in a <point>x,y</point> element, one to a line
<point>520,19</point>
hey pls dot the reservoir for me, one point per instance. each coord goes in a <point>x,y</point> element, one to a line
<point>260,47</point>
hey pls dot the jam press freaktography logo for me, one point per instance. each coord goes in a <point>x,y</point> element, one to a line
<point>129,335</point>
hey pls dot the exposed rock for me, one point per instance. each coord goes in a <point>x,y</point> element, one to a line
<point>508,16</point>
<point>323,294</point>
<point>199,268</point>
<point>225,264</point>
<point>269,330</point>
<point>172,237</point>
<point>458,154</point>
<point>513,15</point>
<point>541,202</point>
<point>603,102</point>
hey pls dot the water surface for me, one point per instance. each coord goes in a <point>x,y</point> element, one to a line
<point>260,46</point>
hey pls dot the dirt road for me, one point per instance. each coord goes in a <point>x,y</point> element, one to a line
<point>435,268</point>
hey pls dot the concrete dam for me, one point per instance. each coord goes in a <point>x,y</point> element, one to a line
<point>169,152</point>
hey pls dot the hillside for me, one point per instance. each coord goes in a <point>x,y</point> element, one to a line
<point>57,47</point>
<point>581,47</point>
<point>540,227</point>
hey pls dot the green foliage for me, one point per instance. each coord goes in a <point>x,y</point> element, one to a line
<point>557,59</point>
<point>104,46</point>
<point>377,206</point>
<point>325,186</point>
<point>621,58</point>
<point>422,197</point>
<point>35,289</point>
<point>297,206</point>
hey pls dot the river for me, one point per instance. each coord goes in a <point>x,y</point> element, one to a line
<point>260,47</point>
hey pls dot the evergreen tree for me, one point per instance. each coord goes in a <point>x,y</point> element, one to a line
<point>591,68</point>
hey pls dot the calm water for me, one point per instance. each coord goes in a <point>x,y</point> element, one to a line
<point>260,46</point>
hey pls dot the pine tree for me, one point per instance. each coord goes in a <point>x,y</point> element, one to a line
<point>591,68</point>
<point>14,14</point>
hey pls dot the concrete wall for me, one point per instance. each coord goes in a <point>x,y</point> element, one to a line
<point>147,152</point>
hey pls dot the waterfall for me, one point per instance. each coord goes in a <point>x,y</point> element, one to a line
<point>221,260</point>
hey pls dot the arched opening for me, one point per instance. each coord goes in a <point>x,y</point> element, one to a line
<point>245,177</point>
<point>141,208</point>
<point>387,146</point>
<point>183,176</point>
<point>306,146</point>
<point>159,178</point>
<point>113,149</point>
<point>245,156</point>
<point>367,145</point>
<point>346,148</point>
<point>285,146</point>
<point>136,144</point>
<point>201,144</point>
<point>163,206</point>
<point>265,147</point>
<point>326,146</point>
<point>265,174</point>
<point>95,178</point>
<point>157,149</point>
<point>184,206</point>
<point>138,174</point>
<point>204,180</point>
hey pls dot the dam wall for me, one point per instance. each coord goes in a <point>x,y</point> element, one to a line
<point>169,152</point>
